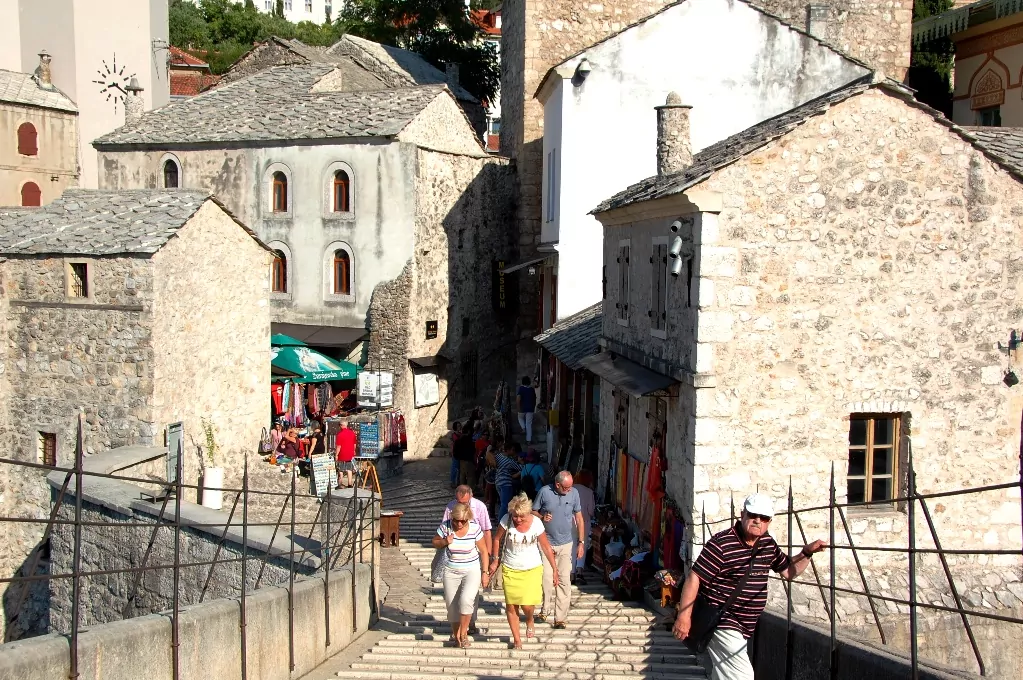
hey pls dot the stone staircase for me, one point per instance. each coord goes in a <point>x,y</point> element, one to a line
<point>605,639</point>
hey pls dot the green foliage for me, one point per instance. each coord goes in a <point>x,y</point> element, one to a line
<point>226,30</point>
<point>209,431</point>
<point>930,70</point>
<point>440,30</point>
<point>279,9</point>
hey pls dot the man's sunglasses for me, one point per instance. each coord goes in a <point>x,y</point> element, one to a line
<point>762,518</point>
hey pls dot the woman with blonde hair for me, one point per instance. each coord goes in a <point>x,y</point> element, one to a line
<point>465,551</point>
<point>517,544</point>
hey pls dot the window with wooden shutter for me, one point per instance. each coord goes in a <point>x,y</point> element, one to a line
<point>28,140</point>
<point>48,449</point>
<point>623,281</point>
<point>279,272</point>
<point>342,273</point>
<point>873,457</point>
<point>171,175</point>
<point>342,188</point>
<point>31,196</point>
<point>280,192</point>
<point>658,287</point>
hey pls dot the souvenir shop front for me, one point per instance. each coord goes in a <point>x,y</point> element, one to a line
<point>308,387</point>
<point>639,537</point>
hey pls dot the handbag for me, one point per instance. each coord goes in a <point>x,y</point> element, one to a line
<point>265,443</point>
<point>706,616</point>
<point>437,565</point>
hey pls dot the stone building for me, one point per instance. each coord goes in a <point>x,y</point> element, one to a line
<point>384,211</point>
<point>827,290</point>
<point>97,49</point>
<point>115,306</point>
<point>362,65</point>
<point>38,138</point>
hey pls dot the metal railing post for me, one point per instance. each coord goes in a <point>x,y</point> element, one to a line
<point>325,556</point>
<point>356,528</point>
<point>175,632</point>
<point>813,567</point>
<point>913,646</point>
<point>76,582</point>
<point>863,578</point>
<point>834,561</point>
<point>243,624</point>
<point>291,576</point>
<point>788,593</point>
<point>220,544</point>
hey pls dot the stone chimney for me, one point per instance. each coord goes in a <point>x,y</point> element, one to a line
<point>43,76</point>
<point>817,21</point>
<point>134,105</point>
<point>674,151</point>
<point>452,73</point>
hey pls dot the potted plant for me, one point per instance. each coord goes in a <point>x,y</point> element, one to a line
<point>212,476</point>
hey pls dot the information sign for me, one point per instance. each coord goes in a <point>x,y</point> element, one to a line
<point>324,473</point>
<point>175,447</point>
<point>369,440</point>
<point>376,389</point>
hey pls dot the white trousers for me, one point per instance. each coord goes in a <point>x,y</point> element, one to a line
<point>728,657</point>
<point>460,591</point>
<point>526,423</point>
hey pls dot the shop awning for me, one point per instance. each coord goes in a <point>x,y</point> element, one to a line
<point>430,362</point>
<point>308,365</point>
<point>324,336</point>
<point>575,337</point>
<point>628,375</point>
<point>522,264</point>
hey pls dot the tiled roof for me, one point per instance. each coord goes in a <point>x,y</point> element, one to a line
<point>179,57</point>
<point>575,337</point>
<point>190,83</point>
<point>486,19</point>
<point>22,88</point>
<point>275,105</point>
<point>90,222</point>
<point>731,149</point>
<point>1005,143</point>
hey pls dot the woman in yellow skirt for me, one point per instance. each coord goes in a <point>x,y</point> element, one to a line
<point>517,544</point>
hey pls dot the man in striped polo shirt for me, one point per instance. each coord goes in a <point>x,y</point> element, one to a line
<point>717,572</point>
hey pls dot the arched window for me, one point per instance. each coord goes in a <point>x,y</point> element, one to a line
<point>342,273</point>
<point>27,140</point>
<point>171,174</point>
<point>279,272</point>
<point>342,188</point>
<point>31,197</point>
<point>280,194</point>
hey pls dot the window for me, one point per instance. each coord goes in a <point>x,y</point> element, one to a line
<point>27,140</point>
<point>342,187</point>
<point>279,272</point>
<point>495,126</point>
<point>873,458</point>
<point>268,5</point>
<point>623,283</point>
<point>31,196</point>
<point>78,280</point>
<point>659,286</point>
<point>287,5</point>
<point>990,117</point>
<point>170,174</point>
<point>309,5</point>
<point>48,449</point>
<point>342,273</point>
<point>280,192</point>
<point>552,157</point>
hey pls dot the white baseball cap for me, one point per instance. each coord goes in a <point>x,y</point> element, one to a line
<point>759,504</point>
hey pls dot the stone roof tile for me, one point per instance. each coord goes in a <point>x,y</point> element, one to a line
<point>1005,143</point>
<point>22,88</point>
<point>90,222</point>
<point>575,337</point>
<point>274,105</point>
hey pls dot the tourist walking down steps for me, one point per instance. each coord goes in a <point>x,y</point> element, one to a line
<point>480,515</point>
<point>466,567</point>
<point>558,505</point>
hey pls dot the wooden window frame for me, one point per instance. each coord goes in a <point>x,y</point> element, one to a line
<point>38,195</point>
<point>343,274</point>
<point>28,139</point>
<point>44,441</point>
<point>279,272</point>
<point>279,194</point>
<point>869,447</point>
<point>72,275</point>
<point>342,202</point>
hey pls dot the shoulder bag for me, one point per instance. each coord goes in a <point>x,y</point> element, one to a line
<point>706,616</point>
<point>437,566</point>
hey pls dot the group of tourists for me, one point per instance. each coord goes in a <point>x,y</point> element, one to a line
<point>288,447</point>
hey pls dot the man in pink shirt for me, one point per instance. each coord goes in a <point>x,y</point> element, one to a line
<point>480,515</point>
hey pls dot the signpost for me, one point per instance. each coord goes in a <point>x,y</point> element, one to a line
<point>324,473</point>
<point>376,389</point>
<point>175,447</point>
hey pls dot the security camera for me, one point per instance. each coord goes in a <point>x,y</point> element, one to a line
<point>583,69</point>
<point>675,226</point>
<point>676,267</point>
<point>676,247</point>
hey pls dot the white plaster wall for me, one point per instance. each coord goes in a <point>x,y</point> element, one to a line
<point>607,127</point>
<point>296,11</point>
<point>553,138</point>
<point>968,71</point>
<point>80,34</point>
<point>10,37</point>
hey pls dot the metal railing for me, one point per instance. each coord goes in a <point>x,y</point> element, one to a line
<point>828,588</point>
<point>343,546</point>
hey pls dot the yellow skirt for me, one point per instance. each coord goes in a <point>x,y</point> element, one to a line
<point>523,587</point>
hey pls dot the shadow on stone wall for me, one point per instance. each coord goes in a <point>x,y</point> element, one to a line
<point>27,604</point>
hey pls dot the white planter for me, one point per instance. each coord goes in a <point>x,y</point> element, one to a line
<point>212,483</point>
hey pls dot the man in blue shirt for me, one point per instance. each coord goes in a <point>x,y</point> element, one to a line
<point>525,404</point>
<point>558,506</point>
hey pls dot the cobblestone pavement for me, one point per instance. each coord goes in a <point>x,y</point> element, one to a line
<point>605,639</point>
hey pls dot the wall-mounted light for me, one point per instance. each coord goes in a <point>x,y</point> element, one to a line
<point>676,248</point>
<point>583,69</point>
<point>676,267</point>
<point>532,271</point>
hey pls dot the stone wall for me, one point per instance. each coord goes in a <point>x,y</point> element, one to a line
<point>868,263</point>
<point>211,323</point>
<point>260,58</point>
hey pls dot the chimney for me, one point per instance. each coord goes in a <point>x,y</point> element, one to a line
<point>674,151</point>
<point>134,105</point>
<point>43,71</point>
<point>452,72</point>
<point>817,21</point>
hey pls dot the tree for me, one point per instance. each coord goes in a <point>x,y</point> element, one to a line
<point>279,9</point>
<point>930,70</point>
<point>187,25</point>
<point>440,30</point>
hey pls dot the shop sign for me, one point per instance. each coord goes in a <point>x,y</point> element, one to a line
<point>175,447</point>
<point>504,289</point>
<point>324,473</point>
<point>376,389</point>
<point>427,391</point>
<point>431,330</point>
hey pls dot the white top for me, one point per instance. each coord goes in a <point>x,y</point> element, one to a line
<point>462,553</point>
<point>521,548</point>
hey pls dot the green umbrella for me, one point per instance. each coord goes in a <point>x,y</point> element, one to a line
<point>309,365</point>
<point>281,340</point>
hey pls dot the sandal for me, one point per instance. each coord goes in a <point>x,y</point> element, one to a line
<point>530,632</point>
<point>451,641</point>
<point>465,642</point>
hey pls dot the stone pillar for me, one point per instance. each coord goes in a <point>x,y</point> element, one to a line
<point>674,150</point>
<point>134,106</point>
